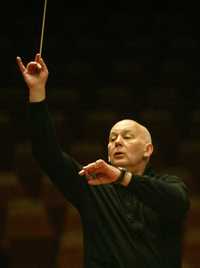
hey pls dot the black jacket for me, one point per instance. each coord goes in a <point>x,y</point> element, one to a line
<point>138,226</point>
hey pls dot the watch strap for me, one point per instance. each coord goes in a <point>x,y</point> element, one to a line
<point>121,175</point>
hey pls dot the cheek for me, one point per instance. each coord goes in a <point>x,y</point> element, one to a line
<point>136,151</point>
<point>109,152</point>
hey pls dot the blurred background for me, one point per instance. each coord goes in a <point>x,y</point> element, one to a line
<point>107,61</point>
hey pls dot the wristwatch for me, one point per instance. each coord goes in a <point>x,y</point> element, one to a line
<point>121,175</point>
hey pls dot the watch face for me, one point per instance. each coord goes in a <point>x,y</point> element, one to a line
<point>122,168</point>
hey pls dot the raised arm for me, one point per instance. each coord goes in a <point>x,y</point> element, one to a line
<point>35,75</point>
<point>60,167</point>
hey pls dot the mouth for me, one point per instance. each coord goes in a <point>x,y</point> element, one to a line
<point>118,155</point>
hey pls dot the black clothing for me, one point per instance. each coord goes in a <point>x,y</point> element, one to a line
<point>138,226</point>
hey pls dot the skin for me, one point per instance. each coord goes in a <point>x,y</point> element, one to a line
<point>129,143</point>
<point>35,75</point>
<point>129,146</point>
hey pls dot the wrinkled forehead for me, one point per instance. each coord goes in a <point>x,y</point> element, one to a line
<point>125,125</point>
<point>131,126</point>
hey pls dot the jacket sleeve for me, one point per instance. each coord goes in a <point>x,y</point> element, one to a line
<point>167,194</point>
<point>60,167</point>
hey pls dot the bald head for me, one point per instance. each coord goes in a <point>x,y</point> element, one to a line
<point>139,129</point>
<point>130,145</point>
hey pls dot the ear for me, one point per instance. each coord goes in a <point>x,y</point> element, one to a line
<point>148,150</point>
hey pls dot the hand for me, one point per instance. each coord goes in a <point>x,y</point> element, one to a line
<point>35,75</point>
<point>100,172</point>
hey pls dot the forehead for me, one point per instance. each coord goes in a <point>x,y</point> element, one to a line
<point>124,125</point>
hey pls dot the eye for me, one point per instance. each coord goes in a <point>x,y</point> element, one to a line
<point>127,136</point>
<point>112,138</point>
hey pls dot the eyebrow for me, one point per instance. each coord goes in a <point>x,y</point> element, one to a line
<point>125,131</point>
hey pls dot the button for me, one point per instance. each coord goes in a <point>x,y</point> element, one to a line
<point>130,217</point>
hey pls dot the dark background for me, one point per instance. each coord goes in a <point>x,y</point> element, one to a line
<point>107,61</point>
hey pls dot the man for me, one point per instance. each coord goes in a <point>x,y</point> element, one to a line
<point>131,217</point>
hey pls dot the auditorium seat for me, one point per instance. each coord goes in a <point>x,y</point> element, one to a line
<point>194,124</point>
<point>185,174</point>
<point>54,203</point>
<point>71,218</point>
<point>10,189</point>
<point>6,140</point>
<point>71,250</point>
<point>27,169</point>
<point>31,240</point>
<point>188,155</point>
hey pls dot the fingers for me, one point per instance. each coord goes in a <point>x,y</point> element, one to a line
<point>95,182</point>
<point>92,167</point>
<point>20,64</point>
<point>94,172</point>
<point>39,59</point>
<point>100,172</point>
<point>32,67</point>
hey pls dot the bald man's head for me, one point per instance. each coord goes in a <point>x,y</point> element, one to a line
<point>140,129</point>
<point>130,145</point>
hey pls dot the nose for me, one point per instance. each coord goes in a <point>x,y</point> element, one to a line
<point>118,140</point>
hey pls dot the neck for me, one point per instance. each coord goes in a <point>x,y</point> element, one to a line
<point>139,169</point>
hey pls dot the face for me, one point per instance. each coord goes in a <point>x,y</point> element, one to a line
<point>128,145</point>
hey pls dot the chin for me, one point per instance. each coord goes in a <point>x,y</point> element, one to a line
<point>119,162</point>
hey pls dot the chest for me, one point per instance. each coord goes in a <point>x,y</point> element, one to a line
<point>141,217</point>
